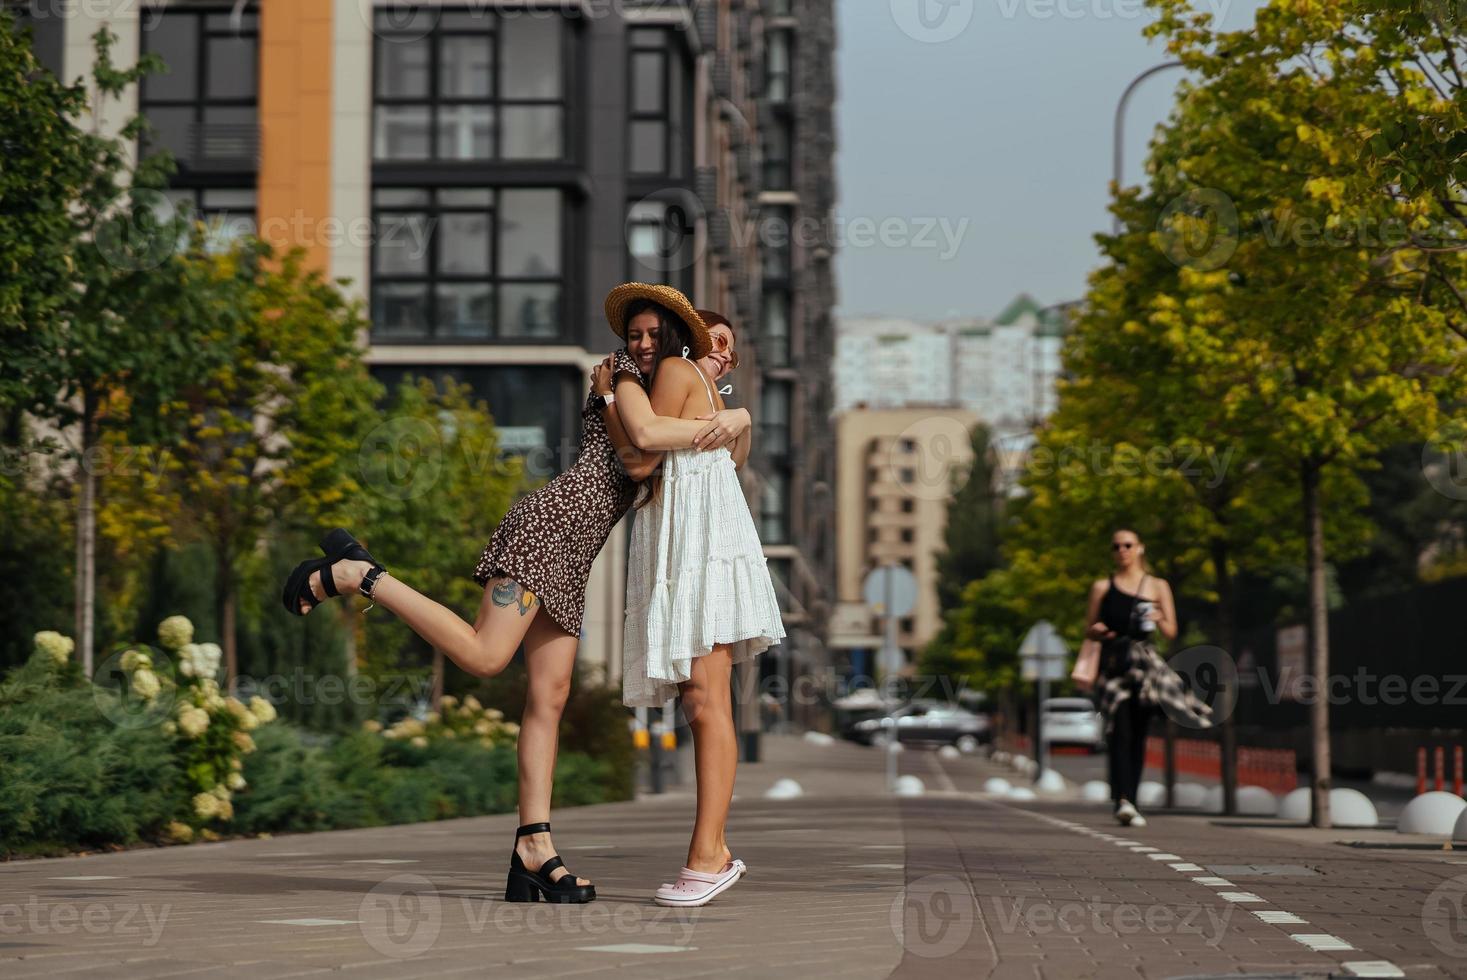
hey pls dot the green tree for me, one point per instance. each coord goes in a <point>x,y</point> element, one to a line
<point>269,439</point>
<point>970,540</point>
<point>1313,322</point>
<point>434,484</point>
<point>129,332</point>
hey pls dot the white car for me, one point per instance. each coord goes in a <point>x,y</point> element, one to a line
<point>1072,721</point>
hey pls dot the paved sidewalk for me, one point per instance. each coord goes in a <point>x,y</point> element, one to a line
<point>845,881</point>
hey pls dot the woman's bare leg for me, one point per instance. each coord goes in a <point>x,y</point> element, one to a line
<point>709,710</point>
<point>484,649</point>
<point>550,657</point>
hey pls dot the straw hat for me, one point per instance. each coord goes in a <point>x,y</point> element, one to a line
<point>622,296</point>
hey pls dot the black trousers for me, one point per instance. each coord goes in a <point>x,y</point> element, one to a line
<point>1127,749</point>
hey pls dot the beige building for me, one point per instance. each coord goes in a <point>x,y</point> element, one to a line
<point>894,479</point>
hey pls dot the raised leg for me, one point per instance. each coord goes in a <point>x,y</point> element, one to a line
<point>550,657</point>
<point>708,705</point>
<point>484,649</point>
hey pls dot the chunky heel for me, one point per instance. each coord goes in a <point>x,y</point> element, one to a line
<point>525,885</point>
<point>519,888</point>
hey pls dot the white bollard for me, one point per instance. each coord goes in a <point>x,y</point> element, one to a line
<point>819,738</point>
<point>949,752</point>
<point>1189,796</point>
<point>909,786</point>
<point>1297,805</point>
<point>996,785</point>
<point>1095,791</point>
<point>1255,801</point>
<point>1022,794</point>
<point>1432,813</point>
<point>784,789</point>
<point>1150,794</point>
<point>1050,782</point>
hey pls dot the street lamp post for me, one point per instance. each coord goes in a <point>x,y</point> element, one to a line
<point>1119,157</point>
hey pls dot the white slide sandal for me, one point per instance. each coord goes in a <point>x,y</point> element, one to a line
<point>695,888</point>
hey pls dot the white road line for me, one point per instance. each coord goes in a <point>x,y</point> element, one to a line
<point>1321,942</point>
<point>87,877</point>
<point>1240,897</point>
<point>1373,968</point>
<point>308,922</point>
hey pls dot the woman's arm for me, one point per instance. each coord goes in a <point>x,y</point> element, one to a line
<point>740,449</point>
<point>652,423</point>
<point>1165,612</point>
<point>1096,630</point>
<point>638,464</point>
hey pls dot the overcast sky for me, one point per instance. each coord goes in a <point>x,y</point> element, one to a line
<point>974,166</point>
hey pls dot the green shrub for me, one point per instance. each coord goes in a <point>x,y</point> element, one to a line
<point>71,777</point>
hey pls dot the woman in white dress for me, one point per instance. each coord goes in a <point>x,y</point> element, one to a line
<point>699,595</point>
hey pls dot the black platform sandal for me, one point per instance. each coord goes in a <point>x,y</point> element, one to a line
<point>531,886</point>
<point>337,545</point>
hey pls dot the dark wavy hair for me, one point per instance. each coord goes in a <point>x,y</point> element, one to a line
<point>672,336</point>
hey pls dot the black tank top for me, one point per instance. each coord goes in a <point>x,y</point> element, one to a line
<point>1117,607</point>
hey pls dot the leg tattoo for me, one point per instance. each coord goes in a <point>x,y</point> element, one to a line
<point>508,592</point>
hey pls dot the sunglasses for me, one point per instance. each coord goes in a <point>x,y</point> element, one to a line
<point>1118,545</point>
<point>722,345</point>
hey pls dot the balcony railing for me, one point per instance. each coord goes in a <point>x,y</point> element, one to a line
<point>210,147</point>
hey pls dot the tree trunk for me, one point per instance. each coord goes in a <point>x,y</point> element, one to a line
<point>1318,633</point>
<point>1227,639</point>
<point>86,541</point>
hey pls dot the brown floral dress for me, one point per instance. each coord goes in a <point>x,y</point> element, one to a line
<point>549,539</point>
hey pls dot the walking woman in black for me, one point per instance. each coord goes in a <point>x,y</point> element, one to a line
<point>1126,612</point>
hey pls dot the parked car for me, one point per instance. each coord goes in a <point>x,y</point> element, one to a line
<point>926,722</point>
<point>1072,721</point>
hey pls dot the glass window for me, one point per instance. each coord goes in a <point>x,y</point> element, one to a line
<point>656,78</point>
<point>529,232</point>
<point>533,132</point>
<point>469,85</point>
<point>532,57</point>
<point>228,213</point>
<point>232,62</point>
<point>649,81</point>
<point>778,137</point>
<point>466,67</point>
<point>774,345</point>
<point>661,238</point>
<point>776,231</point>
<point>402,68</point>
<point>48,33</point>
<point>203,108</point>
<point>466,264</point>
<point>536,409</point>
<point>774,417</point>
<point>777,58</point>
<point>774,507</point>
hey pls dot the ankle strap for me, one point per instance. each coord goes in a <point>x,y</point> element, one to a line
<point>532,828</point>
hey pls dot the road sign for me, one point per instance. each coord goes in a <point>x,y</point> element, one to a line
<point>1043,653</point>
<point>893,584</point>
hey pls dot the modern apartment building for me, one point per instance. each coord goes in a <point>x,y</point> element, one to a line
<point>908,395</point>
<point>895,477</point>
<point>481,173</point>
<point>1003,370</point>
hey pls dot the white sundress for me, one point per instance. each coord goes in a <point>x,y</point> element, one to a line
<point>696,577</point>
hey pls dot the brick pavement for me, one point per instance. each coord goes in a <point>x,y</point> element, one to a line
<point>845,881</point>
